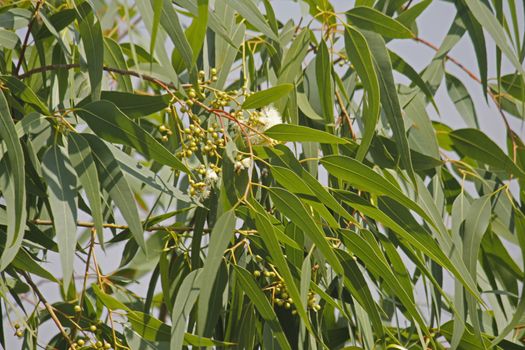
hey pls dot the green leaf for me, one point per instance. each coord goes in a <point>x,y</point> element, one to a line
<point>291,65</point>
<point>249,10</point>
<point>265,229</point>
<point>260,301</point>
<point>266,97</point>
<point>186,297</point>
<point>24,262</point>
<point>404,68</point>
<point>409,16</point>
<point>420,241</point>
<point>157,12</point>
<point>359,175</point>
<point>114,182</point>
<point>25,93</point>
<point>370,19</point>
<point>86,170</point>
<point>323,73</point>
<point>356,284</point>
<point>91,34</point>
<point>108,122</point>
<point>12,183</point>
<point>378,265</point>
<point>460,96</point>
<point>61,188</point>
<point>292,182</point>
<point>360,55</point>
<point>476,223</point>
<point>220,237</point>
<point>8,39</point>
<point>114,58</point>
<point>169,19</point>
<point>298,133</point>
<point>149,327</point>
<point>288,204</point>
<point>197,30</point>
<point>490,23</point>
<point>305,107</point>
<point>478,146</point>
<point>390,100</point>
<point>134,105</point>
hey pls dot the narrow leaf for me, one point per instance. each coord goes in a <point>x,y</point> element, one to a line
<point>61,188</point>
<point>265,97</point>
<point>14,175</point>
<point>108,122</point>
<point>371,19</point>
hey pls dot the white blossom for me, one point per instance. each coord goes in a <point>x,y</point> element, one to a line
<point>238,166</point>
<point>269,117</point>
<point>211,177</point>
<point>204,193</point>
<point>246,163</point>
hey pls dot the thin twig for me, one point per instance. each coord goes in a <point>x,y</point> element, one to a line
<point>123,227</point>
<point>475,78</point>
<point>107,69</point>
<point>450,58</point>
<point>47,306</point>
<point>344,112</point>
<point>26,38</point>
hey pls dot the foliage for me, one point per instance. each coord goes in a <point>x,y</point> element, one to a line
<point>269,184</point>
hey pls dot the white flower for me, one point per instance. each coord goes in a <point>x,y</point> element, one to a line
<point>238,166</point>
<point>243,164</point>
<point>211,177</point>
<point>203,194</point>
<point>246,163</point>
<point>269,117</point>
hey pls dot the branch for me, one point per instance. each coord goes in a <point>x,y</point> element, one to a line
<point>473,76</point>
<point>26,38</point>
<point>123,227</point>
<point>450,58</point>
<point>47,305</point>
<point>165,85</point>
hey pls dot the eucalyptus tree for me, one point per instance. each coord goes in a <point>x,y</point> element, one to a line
<point>208,174</point>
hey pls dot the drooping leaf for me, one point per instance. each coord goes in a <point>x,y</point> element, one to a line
<point>86,170</point>
<point>323,73</point>
<point>292,207</point>
<point>169,19</point>
<point>108,122</point>
<point>360,55</point>
<point>114,182</point>
<point>61,188</point>
<point>371,19</point>
<point>221,235</point>
<point>463,101</point>
<point>289,132</point>
<point>365,178</point>
<point>25,93</point>
<point>261,303</point>
<point>13,184</point>
<point>477,145</point>
<point>135,105</point>
<point>248,10</point>
<point>489,22</point>
<point>114,57</point>
<point>390,99</point>
<point>91,34</point>
<point>266,97</point>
